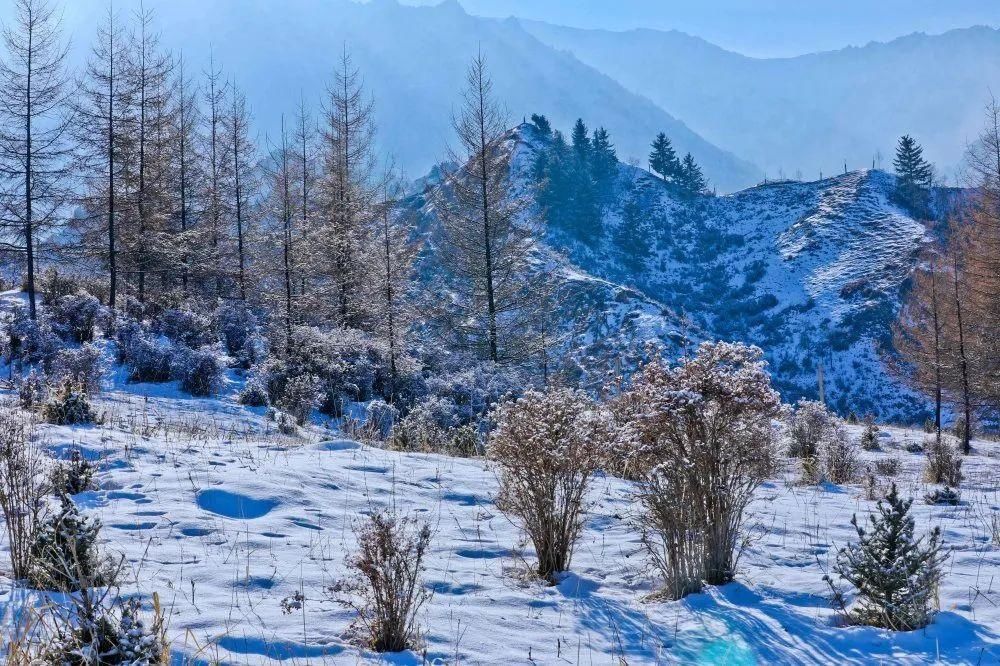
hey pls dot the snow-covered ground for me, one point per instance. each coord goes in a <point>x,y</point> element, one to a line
<point>224,518</point>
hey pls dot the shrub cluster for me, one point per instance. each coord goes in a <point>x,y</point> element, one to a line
<point>385,588</point>
<point>698,435</point>
<point>546,446</point>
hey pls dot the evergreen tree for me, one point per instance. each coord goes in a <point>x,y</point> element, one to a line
<point>65,553</point>
<point>603,165</point>
<point>634,234</point>
<point>691,180</point>
<point>913,174</point>
<point>663,160</point>
<point>896,576</point>
<point>581,141</point>
<point>542,124</point>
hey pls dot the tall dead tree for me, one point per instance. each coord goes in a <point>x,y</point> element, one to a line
<point>149,69</point>
<point>242,151</point>
<point>102,133</point>
<point>33,131</point>
<point>487,243</point>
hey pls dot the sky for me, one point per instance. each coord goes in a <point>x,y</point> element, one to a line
<point>760,28</point>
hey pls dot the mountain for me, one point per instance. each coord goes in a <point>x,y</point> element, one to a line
<point>413,61</point>
<point>811,272</point>
<point>811,112</point>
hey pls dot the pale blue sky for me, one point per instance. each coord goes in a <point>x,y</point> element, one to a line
<point>756,27</point>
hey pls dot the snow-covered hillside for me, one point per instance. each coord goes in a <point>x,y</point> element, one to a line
<point>811,272</point>
<point>224,519</point>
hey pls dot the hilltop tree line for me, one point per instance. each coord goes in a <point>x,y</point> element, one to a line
<point>577,181</point>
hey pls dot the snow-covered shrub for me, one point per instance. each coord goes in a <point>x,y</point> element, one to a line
<point>83,367</point>
<point>148,357</point>
<point>75,316</point>
<point>419,431</point>
<point>699,436</point>
<point>386,589</point>
<point>946,495</point>
<point>944,464</point>
<point>73,476</point>
<point>840,457</point>
<point>889,466</point>
<point>809,425</point>
<point>68,405</point>
<point>869,437</point>
<point>895,575</point>
<point>96,632</point>
<point>65,554</point>
<point>198,370</point>
<point>381,417</point>
<point>546,447</point>
<point>32,342</point>
<point>300,395</point>
<point>254,393</point>
<point>23,488</point>
<point>464,441</point>
<point>32,389</point>
<point>185,327</point>
<point>474,391</point>
<point>235,323</point>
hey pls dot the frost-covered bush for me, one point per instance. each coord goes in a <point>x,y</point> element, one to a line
<point>546,447</point>
<point>809,425</point>
<point>147,356</point>
<point>241,331</point>
<point>698,435</point>
<point>76,316</point>
<point>349,365</point>
<point>386,588</point>
<point>184,326</point>
<point>199,371</point>
<point>381,417</point>
<point>254,394</point>
<point>840,457</point>
<point>946,496</point>
<point>419,431</point>
<point>32,342</point>
<point>83,367</point>
<point>115,635</point>
<point>32,389</point>
<point>944,464</point>
<point>474,391</point>
<point>896,576</point>
<point>23,488</point>
<point>235,323</point>
<point>300,395</point>
<point>889,466</point>
<point>68,405</point>
<point>65,554</point>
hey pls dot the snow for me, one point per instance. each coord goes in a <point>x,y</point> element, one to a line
<point>224,518</point>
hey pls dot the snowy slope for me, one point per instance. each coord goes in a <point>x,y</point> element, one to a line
<point>224,518</point>
<point>810,271</point>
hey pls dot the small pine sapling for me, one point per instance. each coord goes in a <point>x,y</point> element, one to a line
<point>896,576</point>
<point>869,437</point>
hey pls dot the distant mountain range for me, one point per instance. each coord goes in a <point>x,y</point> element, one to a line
<point>740,117</point>
<point>813,112</point>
